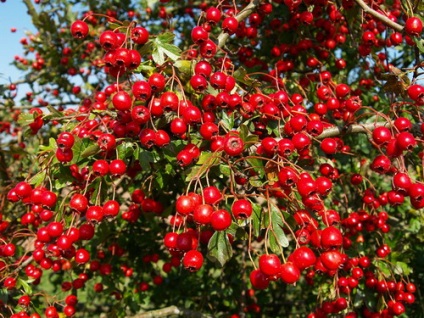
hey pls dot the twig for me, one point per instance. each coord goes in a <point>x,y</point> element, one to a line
<point>171,310</point>
<point>243,14</point>
<point>352,129</point>
<point>379,16</point>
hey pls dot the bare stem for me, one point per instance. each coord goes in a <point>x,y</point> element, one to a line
<point>352,129</point>
<point>379,16</point>
<point>243,14</point>
<point>168,311</point>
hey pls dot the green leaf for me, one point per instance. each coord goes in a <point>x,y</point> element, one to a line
<point>257,219</point>
<point>227,121</point>
<point>146,158</point>
<point>219,248</point>
<point>402,268</point>
<point>27,288</point>
<point>54,111</point>
<point>225,170</point>
<point>146,68</point>
<point>39,178</point>
<point>277,234</point>
<point>257,165</point>
<point>125,150</point>
<point>240,75</point>
<point>91,150</point>
<point>208,158</point>
<point>163,47</point>
<point>83,148</point>
<point>420,44</point>
<point>184,66</point>
<point>383,267</point>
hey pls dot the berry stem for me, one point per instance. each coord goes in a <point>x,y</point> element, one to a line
<point>379,16</point>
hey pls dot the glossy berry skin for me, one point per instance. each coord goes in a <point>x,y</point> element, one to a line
<point>414,26</point>
<point>269,264</point>
<point>193,260</point>
<point>65,140</point>
<point>101,167</point>
<point>258,279</point>
<point>82,256</point>
<point>212,195</point>
<point>117,167</point>
<point>242,209</point>
<point>289,273</point>
<point>199,35</point>
<point>303,257</point>
<point>329,146</point>
<point>233,145</point>
<point>122,101</point>
<point>331,237</point>
<point>139,35</point>
<point>79,29</point>
<point>78,203</point>
<point>220,220</point>
<point>202,214</point>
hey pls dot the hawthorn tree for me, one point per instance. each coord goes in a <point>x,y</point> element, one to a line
<point>214,159</point>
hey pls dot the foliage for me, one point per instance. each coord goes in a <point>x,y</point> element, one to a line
<point>224,159</point>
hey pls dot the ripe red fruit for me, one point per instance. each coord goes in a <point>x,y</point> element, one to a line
<point>199,35</point>
<point>82,256</point>
<point>193,260</point>
<point>220,220</point>
<point>405,141</point>
<point>303,257</point>
<point>108,40</point>
<point>331,237</point>
<point>381,164</point>
<point>78,203</point>
<point>233,145</point>
<point>331,259</point>
<point>202,213</point>
<point>213,15</point>
<point>101,167</point>
<point>65,140</point>
<point>139,35</point>
<point>242,209</point>
<point>141,90</point>
<point>117,167</point>
<point>289,273</point>
<point>329,146</point>
<point>94,213</point>
<point>416,93</point>
<point>381,135</point>
<point>269,264</point>
<point>258,279</point>
<point>170,240</point>
<point>79,29</point>
<point>230,25</point>
<point>212,195</point>
<point>184,205</point>
<point>22,189</point>
<point>198,82</point>
<point>106,142</point>
<point>122,101</point>
<point>414,26</point>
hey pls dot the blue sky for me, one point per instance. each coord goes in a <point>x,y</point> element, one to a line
<point>12,14</point>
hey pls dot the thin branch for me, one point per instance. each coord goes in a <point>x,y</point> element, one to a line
<point>352,129</point>
<point>243,14</point>
<point>379,16</point>
<point>171,310</point>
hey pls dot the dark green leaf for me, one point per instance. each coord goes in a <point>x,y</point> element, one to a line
<point>225,170</point>
<point>257,165</point>
<point>219,248</point>
<point>146,158</point>
<point>257,219</point>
